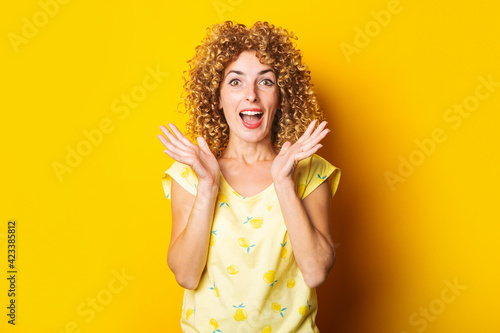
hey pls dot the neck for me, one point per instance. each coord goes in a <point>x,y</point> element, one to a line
<point>249,152</point>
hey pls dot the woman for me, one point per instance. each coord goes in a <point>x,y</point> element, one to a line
<point>250,202</point>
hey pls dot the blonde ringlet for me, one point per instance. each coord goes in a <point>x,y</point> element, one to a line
<point>222,44</point>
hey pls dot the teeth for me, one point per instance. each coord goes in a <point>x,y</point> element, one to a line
<point>251,113</point>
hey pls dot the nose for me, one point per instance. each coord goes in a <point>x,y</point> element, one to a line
<point>251,93</point>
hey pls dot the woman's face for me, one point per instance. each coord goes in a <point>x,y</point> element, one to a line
<point>249,97</point>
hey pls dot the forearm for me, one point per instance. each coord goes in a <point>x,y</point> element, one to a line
<point>313,252</point>
<point>187,255</point>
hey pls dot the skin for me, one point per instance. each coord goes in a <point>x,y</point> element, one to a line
<point>249,164</point>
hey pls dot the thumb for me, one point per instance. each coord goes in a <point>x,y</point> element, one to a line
<point>285,147</point>
<point>203,145</point>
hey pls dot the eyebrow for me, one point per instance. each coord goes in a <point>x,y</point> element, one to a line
<point>241,73</point>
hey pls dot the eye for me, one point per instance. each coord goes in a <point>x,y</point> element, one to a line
<point>234,82</point>
<point>267,82</point>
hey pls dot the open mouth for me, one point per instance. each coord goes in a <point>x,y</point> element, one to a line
<point>251,119</point>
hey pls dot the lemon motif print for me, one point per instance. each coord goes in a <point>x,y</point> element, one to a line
<point>214,325</point>
<point>269,277</point>
<point>189,313</point>
<point>255,222</point>
<point>284,251</point>
<point>240,314</point>
<point>276,307</point>
<point>304,309</point>
<point>269,208</point>
<point>266,329</point>
<point>221,197</point>
<point>290,283</point>
<point>212,237</point>
<point>245,243</point>
<point>215,289</point>
<point>185,173</point>
<point>233,269</point>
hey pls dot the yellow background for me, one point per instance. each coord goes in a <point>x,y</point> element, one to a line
<point>397,247</point>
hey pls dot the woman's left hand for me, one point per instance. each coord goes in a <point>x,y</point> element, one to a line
<point>285,162</point>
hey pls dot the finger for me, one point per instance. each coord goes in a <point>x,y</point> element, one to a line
<point>304,148</point>
<point>172,138</point>
<point>188,160</point>
<point>180,153</point>
<point>285,147</point>
<point>171,154</point>
<point>203,145</point>
<point>172,148</point>
<point>319,129</point>
<point>320,136</point>
<point>315,133</point>
<point>312,141</point>
<point>180,135</point>
<point>162,139</point>
<point>311,127</point>
<point>308,153</point>
<point>308,131</point>
<point>164,129</point>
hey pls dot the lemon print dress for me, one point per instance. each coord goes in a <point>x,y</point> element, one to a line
<point>251,282</point>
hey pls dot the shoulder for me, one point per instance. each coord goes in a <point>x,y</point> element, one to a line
<point>312,172</point>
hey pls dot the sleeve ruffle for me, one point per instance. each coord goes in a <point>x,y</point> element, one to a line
<point>312,172</point>
<point>183,175</point>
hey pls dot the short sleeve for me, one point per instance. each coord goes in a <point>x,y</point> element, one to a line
<point>312,172</point>
<point>182,174</point>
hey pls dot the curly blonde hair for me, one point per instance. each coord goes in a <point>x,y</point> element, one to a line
<point>223,43</point>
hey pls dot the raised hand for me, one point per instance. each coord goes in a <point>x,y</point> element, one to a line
<point>199,158</point>
<point>284,164</point>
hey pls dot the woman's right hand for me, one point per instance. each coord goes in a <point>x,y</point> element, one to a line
<point>199,158</point>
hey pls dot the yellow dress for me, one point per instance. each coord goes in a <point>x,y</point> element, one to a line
<point>251,282</point>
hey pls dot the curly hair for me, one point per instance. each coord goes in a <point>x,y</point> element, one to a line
<point>222,44</point>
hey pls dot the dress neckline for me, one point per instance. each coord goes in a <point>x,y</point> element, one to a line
<point>224,183</point>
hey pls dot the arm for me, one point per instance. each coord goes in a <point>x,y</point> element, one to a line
<point>192,216</point>
<point>308,226</point>
<point>307,221</point>
<point>191,226</point>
